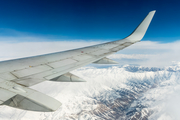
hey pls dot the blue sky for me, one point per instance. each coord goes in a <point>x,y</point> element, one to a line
<point>89,19</point>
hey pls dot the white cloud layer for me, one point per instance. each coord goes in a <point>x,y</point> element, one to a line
<point>147,53</point>
<point>144,53</point>
<point>13,48</point>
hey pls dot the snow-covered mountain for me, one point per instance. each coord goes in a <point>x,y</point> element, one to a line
<point>119,92</point>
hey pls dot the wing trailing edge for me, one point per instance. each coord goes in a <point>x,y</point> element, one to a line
<point>25,98</point>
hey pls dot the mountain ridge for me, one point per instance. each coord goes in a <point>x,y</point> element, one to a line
<point>118,92</point>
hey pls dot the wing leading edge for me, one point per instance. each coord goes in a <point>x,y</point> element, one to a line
<point>19,74</point>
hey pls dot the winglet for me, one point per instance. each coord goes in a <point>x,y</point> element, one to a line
<point>140,31</point>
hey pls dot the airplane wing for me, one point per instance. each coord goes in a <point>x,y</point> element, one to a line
<point>17,75</point>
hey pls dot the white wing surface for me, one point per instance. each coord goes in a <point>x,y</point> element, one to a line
<point>17,75</point>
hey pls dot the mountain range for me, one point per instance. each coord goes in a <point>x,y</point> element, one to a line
<point>125,92</point>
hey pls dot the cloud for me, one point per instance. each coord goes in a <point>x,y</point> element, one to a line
<point>131,56</point>
<point>164,99</point>
<point>145,53</point>
<point>172,105</point>
<point>12,47</point>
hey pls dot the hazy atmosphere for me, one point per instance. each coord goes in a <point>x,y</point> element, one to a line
<point>144,85</point>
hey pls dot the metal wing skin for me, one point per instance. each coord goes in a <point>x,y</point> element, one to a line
<point>17,75</point>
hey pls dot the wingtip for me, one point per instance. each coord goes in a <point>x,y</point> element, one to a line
<point>153,11</point>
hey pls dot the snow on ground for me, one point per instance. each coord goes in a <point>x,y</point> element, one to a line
<point>159,90</point>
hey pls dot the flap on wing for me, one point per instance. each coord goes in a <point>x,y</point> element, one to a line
<point>25,98</point>
<point>5,95</point>
<point>35,102</point>
<point>68,77</point>
<point>106,61</point>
